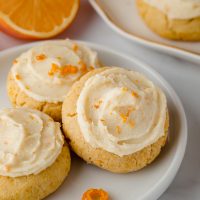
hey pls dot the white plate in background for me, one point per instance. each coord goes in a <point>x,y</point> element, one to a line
<point>122,16</point>
<point>147,184</point>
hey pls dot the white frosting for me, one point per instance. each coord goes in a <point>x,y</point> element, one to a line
<point>30,141</point>
<point>177,9</point>
<point>121,111</point>
<point>32,71</point>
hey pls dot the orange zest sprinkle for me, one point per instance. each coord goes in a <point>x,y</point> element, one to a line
<point>75,47</point>
<point>64,70</point>
<point>71,114</point>
<point>68,69</point>
<point>98,104</point>
<point>83,66</point>
<point>94,194</point>
<point>124,117</point>
<point>118,129</point>
<point>54,68</point>
<point>15,62</point>
<point>127,114</point>
<point>134,94</point>
<point>41,57</point>
<point>18,77</point>
<point>73,69</point>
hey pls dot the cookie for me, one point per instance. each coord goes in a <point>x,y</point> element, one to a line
<point>34,158</point>
<point>41,77</point>
<point>38,186</point>
<point>112,159</point>
<point>170,28</point>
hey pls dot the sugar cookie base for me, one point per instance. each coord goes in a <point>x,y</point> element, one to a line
<point>98,156</point>
<point>36,187</point>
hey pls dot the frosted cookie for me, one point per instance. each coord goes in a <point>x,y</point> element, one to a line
<point>172,19</point>
<point>117,119</point>
<point>41,77</point>
<point>33,158</point>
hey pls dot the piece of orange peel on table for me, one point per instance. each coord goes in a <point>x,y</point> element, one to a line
<point>95,194</point>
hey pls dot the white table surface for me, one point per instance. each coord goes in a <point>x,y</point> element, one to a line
<point>182,75</point>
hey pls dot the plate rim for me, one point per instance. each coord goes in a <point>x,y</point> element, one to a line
<point>159,188</point>
<point>140,40</point>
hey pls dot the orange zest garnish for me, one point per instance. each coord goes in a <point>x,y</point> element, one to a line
<point>95,194</point>
<point>41,57</point>
<point>15,62</point>
<point>83,66</point>
<point>68,69</point>
<point>65,70</point>
<point>124,117</point>
<point>54,68</point>
<point>135,94</point>
<point>75,47</point>
<point>18,77</point>
<point>97,105</point>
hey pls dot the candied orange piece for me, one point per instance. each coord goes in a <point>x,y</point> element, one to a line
<point>95,194</point>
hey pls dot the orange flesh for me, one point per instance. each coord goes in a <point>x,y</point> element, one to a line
<point>65,70</point>
<point>37,15</point>
<point>35,19</point>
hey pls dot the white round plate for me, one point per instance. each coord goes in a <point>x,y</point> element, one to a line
<point>122,16</point>
<point>147,184</point>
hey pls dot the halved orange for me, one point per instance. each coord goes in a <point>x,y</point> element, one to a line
<point>36,19</point>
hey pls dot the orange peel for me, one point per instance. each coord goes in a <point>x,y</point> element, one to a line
<point>95,194</point>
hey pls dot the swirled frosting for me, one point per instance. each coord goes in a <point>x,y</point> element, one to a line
<point>121,111</point>
<point>177,9</point>
<point>30,141</point>
<point>46,72</point>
